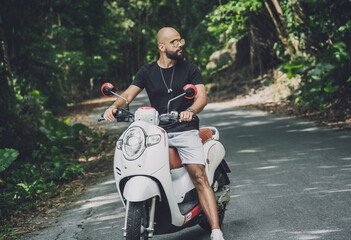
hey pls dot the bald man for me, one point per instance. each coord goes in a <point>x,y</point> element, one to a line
<point>163,80</point>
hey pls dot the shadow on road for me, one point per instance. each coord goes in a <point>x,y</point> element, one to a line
<point>290,180</point>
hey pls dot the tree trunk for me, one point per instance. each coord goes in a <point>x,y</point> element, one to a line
<point>8,101</point>
<point>252,49</point>
<point>281,30</point>
<point>293,42</point>
<point>311,44</point>
<point>5,53</point>
<point>279,10</point>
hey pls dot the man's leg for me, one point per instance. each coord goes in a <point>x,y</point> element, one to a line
<point>206,196</point>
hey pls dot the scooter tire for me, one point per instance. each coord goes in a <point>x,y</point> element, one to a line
<point>137,217</point>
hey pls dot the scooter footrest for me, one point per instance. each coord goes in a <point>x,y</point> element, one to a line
<point>185,208</point>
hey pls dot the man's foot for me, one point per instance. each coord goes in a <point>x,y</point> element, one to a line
<point>217,234</point>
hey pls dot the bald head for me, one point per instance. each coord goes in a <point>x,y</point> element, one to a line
<point>166,33</point>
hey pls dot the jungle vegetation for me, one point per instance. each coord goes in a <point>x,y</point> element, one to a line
<point>55,53</point>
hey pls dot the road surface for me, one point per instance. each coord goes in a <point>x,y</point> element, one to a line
<point>290,179</point>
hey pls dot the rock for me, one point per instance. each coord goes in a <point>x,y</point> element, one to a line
<point>231,45</point>
<point>219,58</point>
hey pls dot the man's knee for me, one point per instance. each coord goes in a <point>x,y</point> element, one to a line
<point>198,176</point>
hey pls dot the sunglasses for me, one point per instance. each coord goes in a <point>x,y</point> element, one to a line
<point>176,42</point>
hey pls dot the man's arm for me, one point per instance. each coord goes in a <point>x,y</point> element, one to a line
<point>129,94</point>
<point>198,105</point>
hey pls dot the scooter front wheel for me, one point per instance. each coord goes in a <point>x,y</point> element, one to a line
<point>137,220</point>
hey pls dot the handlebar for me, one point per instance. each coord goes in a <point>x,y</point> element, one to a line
<point>122,115</point>
<point>171,117</point>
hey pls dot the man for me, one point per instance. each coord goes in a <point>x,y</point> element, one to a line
<point>163,80</point>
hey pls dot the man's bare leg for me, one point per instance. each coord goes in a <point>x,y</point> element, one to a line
<point>206,196</point>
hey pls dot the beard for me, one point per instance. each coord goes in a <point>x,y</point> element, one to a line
<point>174,55</point>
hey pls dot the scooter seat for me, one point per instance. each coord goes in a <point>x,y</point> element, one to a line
<point>205,134</point>
<point>174,159</point>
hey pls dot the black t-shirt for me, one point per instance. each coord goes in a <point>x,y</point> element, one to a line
<point>150,78</point>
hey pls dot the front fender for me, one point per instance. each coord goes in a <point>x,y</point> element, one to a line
<point>140,188</point>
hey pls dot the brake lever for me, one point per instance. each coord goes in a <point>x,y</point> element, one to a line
<point>122,115</point>
<point>101,119</point>
<point>172,117</point>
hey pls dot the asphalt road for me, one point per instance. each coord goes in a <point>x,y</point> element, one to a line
<point>290,180</point>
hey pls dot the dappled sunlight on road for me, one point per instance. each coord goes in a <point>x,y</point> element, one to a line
<point>290,180</point>
<point>256,123</point>
<point>326,167</point>
<point>275,185</point>
<point>250,151</point>
<point>99,214</point>
<point>286,173</point>
<point>99,201</point>
<point>104,207</point>
<point>315,234</point>
<point>268,167</point>
<point>323,149</point>
<point>304,130</point>
<point>282,160</point>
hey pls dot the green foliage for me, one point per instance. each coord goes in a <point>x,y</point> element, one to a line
<point>229,20</point>
<point>321,30</point>
<point>25,182</point>
<point>7,156</point>
<point>324,33</point>
<point>60,52</point>
<point>62,136</point>
<point>5,230</point>
<point>293,67</point>
<point>315,34</point>
<point>38,175</point>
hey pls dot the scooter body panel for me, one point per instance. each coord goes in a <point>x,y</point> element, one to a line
<point>154,163</point>
<point>214,152</point>
<point>153,158</point>
<point>142,170</point>
<point>145,186</point>
<point>181,182</point>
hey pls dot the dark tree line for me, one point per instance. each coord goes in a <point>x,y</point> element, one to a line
<point>55,53</point>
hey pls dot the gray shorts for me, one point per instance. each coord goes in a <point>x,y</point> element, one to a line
<point>189,146</point>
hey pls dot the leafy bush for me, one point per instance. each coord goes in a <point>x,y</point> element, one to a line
<point>323,29</point>
<point>7,156</point>
<point>314,40</point>
<point>37,176</point>
<point>229,20</point>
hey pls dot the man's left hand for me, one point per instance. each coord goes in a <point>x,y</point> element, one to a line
<point>186,116</point>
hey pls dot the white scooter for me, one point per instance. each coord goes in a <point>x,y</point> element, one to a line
<point>155,188</point>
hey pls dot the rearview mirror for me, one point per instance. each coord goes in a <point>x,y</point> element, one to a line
<point>106,89</point>
<point>190,91</point>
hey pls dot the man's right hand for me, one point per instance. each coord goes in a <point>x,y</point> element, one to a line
<point>131,92</point>
<point>108,115</point>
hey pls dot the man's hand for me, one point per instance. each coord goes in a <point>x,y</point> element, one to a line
<point>199,104</point>
<point>186,116</point>
<point>108,115</point>
<point>129,94</point>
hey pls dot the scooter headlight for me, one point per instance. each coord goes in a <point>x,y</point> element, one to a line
<point>133,143</point>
